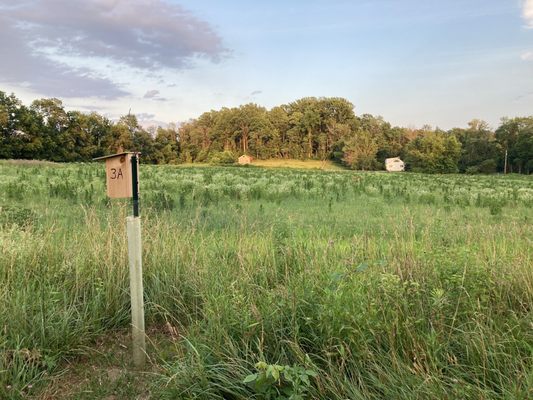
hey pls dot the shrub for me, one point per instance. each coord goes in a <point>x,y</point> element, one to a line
<point>13,215</point>
<point>223,158</point>
<point>280,382</point>
<point>472,170</point>
<point>495,208</point>
<point>203,156</point>
<point>488,166</point>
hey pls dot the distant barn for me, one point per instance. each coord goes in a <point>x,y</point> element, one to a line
<point>245,159</point>
<point>394,164</point>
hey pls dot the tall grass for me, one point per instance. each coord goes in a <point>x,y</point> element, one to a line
<point>388,286</point>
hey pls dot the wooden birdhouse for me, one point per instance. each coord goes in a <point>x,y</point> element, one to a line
<point>118,170</point>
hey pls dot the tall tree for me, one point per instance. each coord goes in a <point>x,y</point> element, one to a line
<point>514,135</point>
<point>20,133</point>
<point>279,120</point>
<point>524,147</point>
<point>54,121</point>
<point>360,151</point>
<point>338,119</point>
<point>306,124</point>
<point>480,152</point>
<point>77,142</point>
<point>433,152</point>
<point>250,120</point>
<point>166,145</point>
<point>98,128</point>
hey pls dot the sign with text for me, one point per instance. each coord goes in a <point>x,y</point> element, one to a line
<point>118,175</point>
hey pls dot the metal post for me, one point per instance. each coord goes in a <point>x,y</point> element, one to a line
<point>135,184</point>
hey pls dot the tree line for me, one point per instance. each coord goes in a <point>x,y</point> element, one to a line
<point>308,128</point>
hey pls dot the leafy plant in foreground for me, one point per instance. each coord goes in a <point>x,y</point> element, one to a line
<point>277,382</point>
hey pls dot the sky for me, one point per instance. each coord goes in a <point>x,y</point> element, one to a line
<point>440,63</point>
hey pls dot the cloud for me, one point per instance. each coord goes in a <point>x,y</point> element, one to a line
<point>144,116</point>
<point>154,95</point>
<point>148,121</point>
<point>151,94</point>
<point>523,97</point>
<point>256,92</point>
<point>20,65</point>
<point>88,107</point>
<point>527,56</point>
<point>527,12</point>
<point>146,35</point>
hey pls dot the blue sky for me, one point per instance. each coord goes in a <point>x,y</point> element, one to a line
<point>440,63</point>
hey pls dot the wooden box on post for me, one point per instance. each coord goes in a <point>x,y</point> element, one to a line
<point>122,176</point>
<point>118,175</point>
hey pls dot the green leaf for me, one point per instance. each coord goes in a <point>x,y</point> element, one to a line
<point>250,378</point>
<point>273,371</point>
<point>261,365</point>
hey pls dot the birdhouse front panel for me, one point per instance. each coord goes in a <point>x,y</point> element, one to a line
<point>118,176</point>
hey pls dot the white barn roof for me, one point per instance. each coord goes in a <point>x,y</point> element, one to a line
<point>394,164</point>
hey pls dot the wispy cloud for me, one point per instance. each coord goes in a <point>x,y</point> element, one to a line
<point>524,96</point>
<point>527,12</point>
<point>154,95</point>
<point>151,94</point>
<point>145,116</point>
<point>527,56</point>
<point>146,35</point>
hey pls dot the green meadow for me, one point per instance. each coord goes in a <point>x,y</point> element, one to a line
<point>270,283</point>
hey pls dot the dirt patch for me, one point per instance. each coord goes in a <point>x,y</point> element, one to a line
<point>105,371</point>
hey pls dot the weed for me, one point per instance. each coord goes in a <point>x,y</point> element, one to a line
<point>276,382</point>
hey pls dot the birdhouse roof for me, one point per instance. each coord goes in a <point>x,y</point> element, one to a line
<point>115,155</point>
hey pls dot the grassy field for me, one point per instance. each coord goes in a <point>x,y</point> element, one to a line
<point>325,285</point>
<point>326,165</point>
